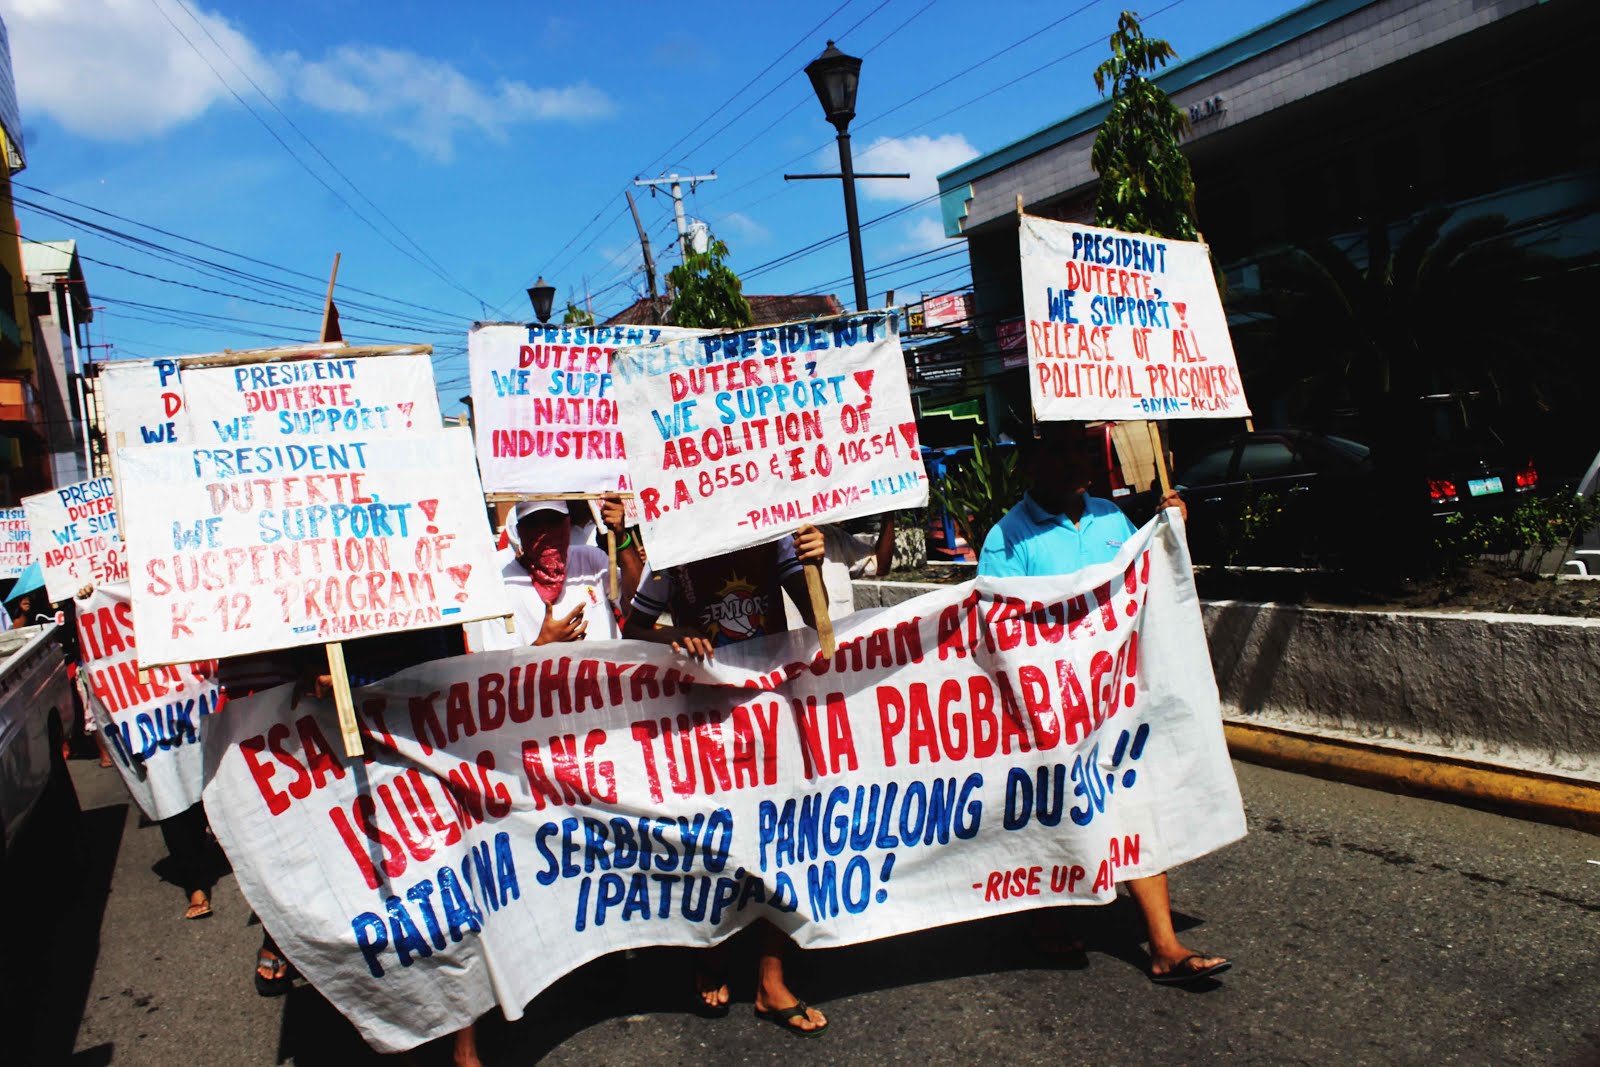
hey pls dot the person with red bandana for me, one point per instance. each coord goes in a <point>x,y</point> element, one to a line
<point>557,588</point>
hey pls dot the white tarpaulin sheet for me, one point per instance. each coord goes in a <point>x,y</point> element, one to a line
<point>248,548</point>
<point>152,724</point>
<point>1124,326</point>
<point>738,438</point>
<point>979,750</point>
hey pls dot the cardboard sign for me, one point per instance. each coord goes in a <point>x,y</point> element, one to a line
<point>239,549</point>
<point>152,724</point>
<point>1124,326</point>
<point>143,403</point>
<point>973,752</point>
<point>16,542</point>
<point>75,537</point>
<point>736,439</point>
<point>295,400</point>
<point>544,406</point>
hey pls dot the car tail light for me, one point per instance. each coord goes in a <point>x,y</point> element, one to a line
<point>1528,476</point>
<point>1442,489</point>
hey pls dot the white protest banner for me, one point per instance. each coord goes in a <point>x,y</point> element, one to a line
<point>298,399</point>
<point>737,438</point>
<point>16,542</point>
<point>75,537</point>
<point>239,549</point>
<point>976,751</point>
<point>543,405</point>
<point>152,722</point>
<point>1124,326</point>
<point>143,403</point>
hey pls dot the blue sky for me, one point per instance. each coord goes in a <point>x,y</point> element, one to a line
<point>498,138</point>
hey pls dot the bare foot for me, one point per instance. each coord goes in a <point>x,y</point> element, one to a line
<point>199,905</point>
<point>712,988</point>
<point>773,995</point>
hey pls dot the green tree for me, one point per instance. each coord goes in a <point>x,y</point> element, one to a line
<point>707,293</point>
<point>1145,183</point>
<point>576,316</point>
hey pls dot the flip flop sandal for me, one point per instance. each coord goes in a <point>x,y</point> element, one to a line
<point>199,914</point>
<point>780,1017</point>
<point>1180,974</point>
<point>276,986</point>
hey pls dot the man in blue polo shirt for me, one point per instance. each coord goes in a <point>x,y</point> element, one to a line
<point>1058,528</point>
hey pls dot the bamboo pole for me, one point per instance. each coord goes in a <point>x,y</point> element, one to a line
<point>818,592</point>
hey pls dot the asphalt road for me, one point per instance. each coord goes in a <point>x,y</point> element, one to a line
<point>1366,928</point>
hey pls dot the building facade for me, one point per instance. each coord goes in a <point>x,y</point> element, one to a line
<point>1379,151</point>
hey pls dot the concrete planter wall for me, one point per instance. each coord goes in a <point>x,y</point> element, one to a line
<point>1519,691</point>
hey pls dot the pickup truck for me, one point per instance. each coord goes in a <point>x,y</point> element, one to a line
<point>36,709</point>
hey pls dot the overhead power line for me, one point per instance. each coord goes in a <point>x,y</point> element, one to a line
<point>432,269</point>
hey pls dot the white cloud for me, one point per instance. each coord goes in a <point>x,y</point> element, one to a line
<point>924,233</point>
<point>118,70</point>
<point>737,224</point>
<point>922,156</point>
<point>426,102</point>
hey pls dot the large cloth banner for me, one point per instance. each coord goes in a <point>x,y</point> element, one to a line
<point>1124,326</point>
<point>976,751</point>
<point>544,407</point>
<point>735,439</point>
<point>152,725</point>
<point>16,542</point>
<point>74,531</point>
<point>143,403</point>
<point>296,399</point>
<point>240,549</point>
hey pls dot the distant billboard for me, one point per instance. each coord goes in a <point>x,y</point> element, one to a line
<point>10,115</point>
<point>947,309</point>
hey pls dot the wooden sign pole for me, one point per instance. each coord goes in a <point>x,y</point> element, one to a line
<point>348,728</point>
<point>818,593</point>
<point>1161,457</point>
<point>611,564</point>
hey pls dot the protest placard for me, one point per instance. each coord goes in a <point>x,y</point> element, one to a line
<point>976,751</point>
<point>238,549</point>
<point>152,720</point>
<point>16,542</point>
<point>1124,326</point>
<point>75,537</point>
<point>544,408</point>
<point>142,402</point>
<point>737,438</point>
<point>297,399</point>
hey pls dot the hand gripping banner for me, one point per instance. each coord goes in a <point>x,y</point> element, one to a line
<point>979,750</point>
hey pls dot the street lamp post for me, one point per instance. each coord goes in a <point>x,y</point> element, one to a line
<point>543,296</point>
<point>835,77</point>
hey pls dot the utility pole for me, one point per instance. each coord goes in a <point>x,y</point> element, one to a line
<point>644,242</point>
<point>77,379</point>
<point>676,182</point>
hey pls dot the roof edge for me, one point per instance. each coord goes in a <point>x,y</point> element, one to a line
<point>1247,46</point>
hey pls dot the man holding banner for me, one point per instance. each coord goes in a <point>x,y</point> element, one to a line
<point>716,602</point>
<point>1058,528</point>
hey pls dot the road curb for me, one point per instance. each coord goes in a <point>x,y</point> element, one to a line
<point>1524,794</point>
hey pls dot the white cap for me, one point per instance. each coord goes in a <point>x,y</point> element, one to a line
<point>522,510</point>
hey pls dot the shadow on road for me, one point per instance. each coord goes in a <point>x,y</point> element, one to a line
<point>54,900</point>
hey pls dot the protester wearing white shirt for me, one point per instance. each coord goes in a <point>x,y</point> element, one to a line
<point>557,588</point>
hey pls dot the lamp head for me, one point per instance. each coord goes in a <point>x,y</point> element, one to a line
<point>835,76</point>
<point>543,297</point>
